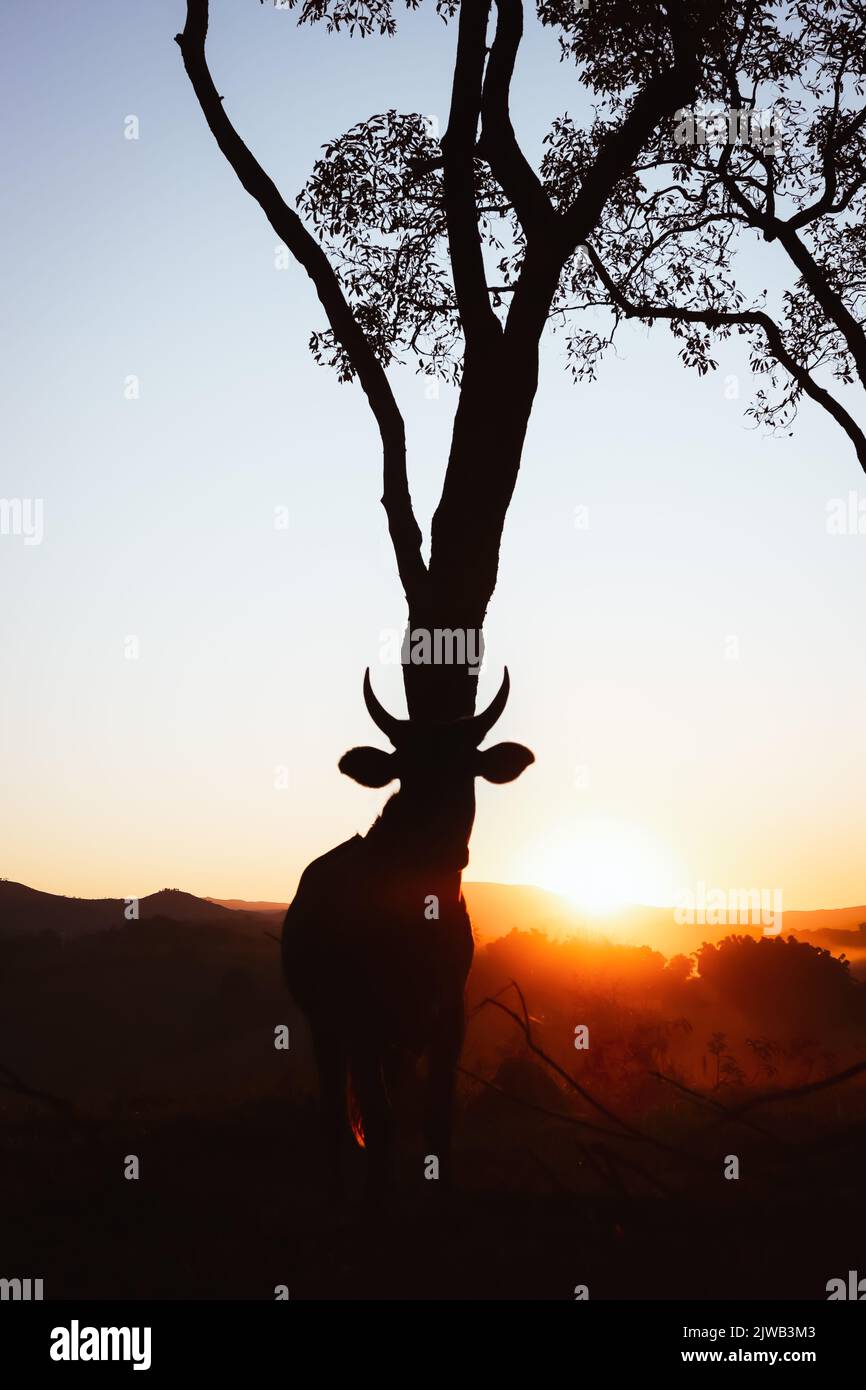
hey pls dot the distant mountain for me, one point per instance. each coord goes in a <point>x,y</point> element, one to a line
<point>828,919</point>
<point>183,907</point>
<point>495,909</point>
<point>240,905</point>
<point>25,911</point>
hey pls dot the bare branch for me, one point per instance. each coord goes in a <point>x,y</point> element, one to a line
<point>725,1111</point>
<point>13,1082</point>
<point>795,1092</point>
<point>575,1120</point>
<point>524,1024</point>
<point>480,324</point>
<point>498,142</point>
<point>405,533</point>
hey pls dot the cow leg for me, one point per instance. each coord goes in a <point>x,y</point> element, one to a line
<point>394,1063</point>
<point>369,1083</point>
<point>331,1063</point>
<point>443,1056</point>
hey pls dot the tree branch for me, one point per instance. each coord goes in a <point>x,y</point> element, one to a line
<point>663,94</point>
<point>12,1082</point>
<point>480,324</point>
<point>814,276</point>
<point>817,281</point>
<point>405,533</point>
<point>717,318</point>
<point>795,1092</point>
<point>498,143</point>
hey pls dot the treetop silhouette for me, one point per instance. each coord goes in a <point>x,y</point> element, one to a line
<point>399,233</point>
<point>775,153</point>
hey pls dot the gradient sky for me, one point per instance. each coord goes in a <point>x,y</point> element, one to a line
<point>662,760</point>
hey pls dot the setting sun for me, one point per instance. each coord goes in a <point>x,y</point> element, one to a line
<point>601,865</point>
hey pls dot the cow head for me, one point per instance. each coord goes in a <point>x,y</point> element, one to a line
<point>436,766</point>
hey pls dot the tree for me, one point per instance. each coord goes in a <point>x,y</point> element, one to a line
<point>773,152</point>
<point>398,237</point>
<point>782,983</point>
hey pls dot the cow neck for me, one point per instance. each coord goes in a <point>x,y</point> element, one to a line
<point>394,852</point>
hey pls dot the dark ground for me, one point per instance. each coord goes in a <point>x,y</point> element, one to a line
<point>158,1042</point>
<point>227,1207</point>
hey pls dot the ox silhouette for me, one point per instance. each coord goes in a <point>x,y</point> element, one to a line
<point>377,942</point>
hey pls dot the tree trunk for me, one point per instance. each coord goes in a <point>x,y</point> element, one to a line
<point>489,432</point>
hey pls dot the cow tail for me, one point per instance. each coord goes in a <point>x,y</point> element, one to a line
<point>353,1110</point>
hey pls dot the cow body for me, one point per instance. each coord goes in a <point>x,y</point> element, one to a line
<point>374,954</point>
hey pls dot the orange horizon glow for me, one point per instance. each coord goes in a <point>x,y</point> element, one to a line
<point>599,898</point>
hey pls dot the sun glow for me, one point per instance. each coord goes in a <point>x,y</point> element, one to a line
<point>602,866</point>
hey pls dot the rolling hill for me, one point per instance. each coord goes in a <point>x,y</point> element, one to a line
<point>27,911</point>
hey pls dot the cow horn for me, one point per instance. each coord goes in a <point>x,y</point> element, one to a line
<point>483,723</point>
<point>398,729</point>
<point>394,729</point>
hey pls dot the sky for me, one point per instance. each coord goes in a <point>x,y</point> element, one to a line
<point>180,675</point>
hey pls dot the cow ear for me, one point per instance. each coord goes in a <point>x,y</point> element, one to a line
<point>503,762</point>
<point>369,766</point>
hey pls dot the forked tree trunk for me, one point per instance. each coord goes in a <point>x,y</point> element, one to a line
<point>487,443</point>
<point>500,362</point>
